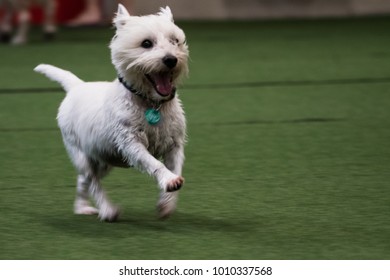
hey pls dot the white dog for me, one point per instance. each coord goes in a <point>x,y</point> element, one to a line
<point>21,8</point>
<point>135,120</point>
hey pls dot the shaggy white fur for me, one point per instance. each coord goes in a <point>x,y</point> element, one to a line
<point>103,124</point>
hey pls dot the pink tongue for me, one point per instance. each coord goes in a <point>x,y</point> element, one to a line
<point>163,83</point>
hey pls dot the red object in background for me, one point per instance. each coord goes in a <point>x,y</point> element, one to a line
<point>66,10</point>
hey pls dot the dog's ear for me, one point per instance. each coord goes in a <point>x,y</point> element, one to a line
<point>122,15</point>
<point>166,12</point>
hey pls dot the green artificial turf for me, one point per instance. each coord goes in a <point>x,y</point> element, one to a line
<point>288,153</point>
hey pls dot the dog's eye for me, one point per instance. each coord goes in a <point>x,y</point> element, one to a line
<point>147,44</point>
<point>174,41</point>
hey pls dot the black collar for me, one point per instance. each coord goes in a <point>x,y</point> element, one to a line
<point>131,88</point>
<point>142,95</point>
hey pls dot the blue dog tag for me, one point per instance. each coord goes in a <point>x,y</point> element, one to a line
<point>152,116</point>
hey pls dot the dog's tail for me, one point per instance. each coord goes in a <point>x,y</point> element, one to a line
<point>67,79</point>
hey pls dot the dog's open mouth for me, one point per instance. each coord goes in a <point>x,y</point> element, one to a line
<point>162,82</point>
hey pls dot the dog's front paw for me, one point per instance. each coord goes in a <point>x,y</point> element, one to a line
<point>166,204</point>
<point>168,181</point>
<point>175,184</point>
<point>109,213</point>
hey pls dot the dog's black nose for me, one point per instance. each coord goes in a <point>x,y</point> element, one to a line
<point>170,61</point>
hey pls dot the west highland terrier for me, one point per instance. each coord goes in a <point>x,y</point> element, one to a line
<point>134,121</point>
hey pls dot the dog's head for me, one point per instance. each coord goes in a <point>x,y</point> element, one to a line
<point>149,52</point>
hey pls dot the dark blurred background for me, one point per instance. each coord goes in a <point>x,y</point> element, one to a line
<point>226,9</point>
<point>250,9</point>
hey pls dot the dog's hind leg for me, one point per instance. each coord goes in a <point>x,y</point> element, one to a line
<point>82,205</point>
<point>107,211</point>
<point>88,184</point>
